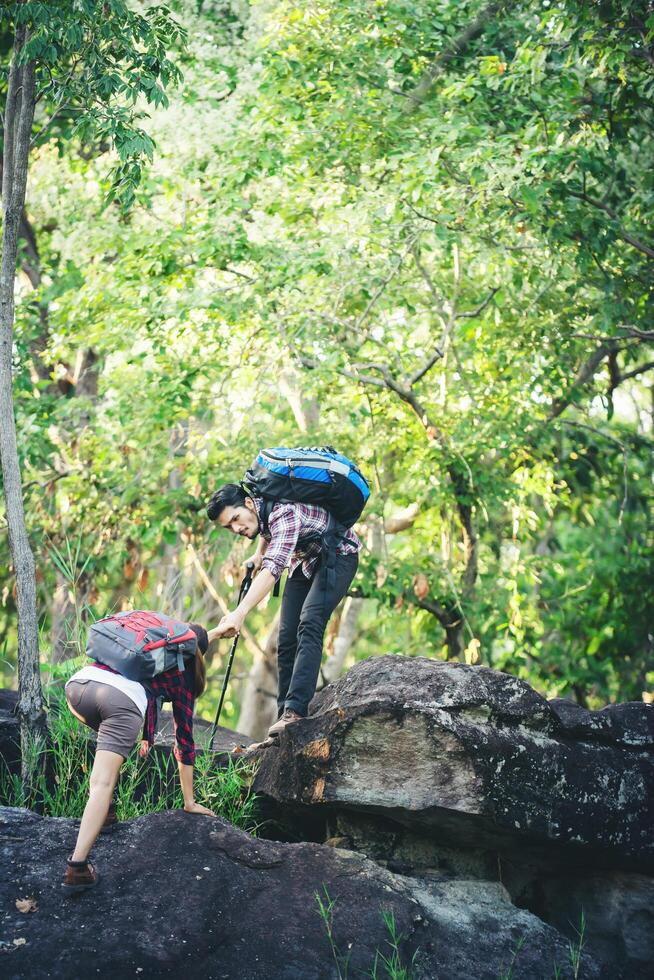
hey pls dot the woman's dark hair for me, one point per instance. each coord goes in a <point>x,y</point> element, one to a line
<point>230,495</point>
<point>202,635</point>
<point>200,677</point>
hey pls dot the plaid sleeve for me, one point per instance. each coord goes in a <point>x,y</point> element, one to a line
<point>183,702</point>
<point>150,721</point>
<point>284,524</point>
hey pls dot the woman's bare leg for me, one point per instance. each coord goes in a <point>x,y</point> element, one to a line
<point>103,779</point>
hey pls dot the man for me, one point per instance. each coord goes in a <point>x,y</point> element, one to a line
<point>294,538</point>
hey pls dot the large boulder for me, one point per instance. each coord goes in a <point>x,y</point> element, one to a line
<point>464,772</point>
<point>476,755</point>
<point>193,896</point>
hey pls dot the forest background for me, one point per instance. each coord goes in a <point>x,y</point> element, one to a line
<point>421,231</point>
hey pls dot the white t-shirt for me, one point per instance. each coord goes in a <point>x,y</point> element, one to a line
<point>132,689</point>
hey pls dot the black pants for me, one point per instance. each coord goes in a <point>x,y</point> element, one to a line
<point>307,605</point>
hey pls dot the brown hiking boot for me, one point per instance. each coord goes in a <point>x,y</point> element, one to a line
<point>110,821</point>
<point>287,718</point>
<point>79,876</point>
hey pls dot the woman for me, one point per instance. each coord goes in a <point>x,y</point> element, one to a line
<point>115,708</point>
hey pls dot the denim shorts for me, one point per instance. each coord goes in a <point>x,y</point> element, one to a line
<point>109,712</point>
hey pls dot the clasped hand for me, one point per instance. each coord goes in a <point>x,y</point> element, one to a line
<point>229,625</point>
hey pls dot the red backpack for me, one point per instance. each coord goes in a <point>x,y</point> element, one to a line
<point>140,644</point>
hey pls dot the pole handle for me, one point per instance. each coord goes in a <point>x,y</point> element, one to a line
<point>247,579</point>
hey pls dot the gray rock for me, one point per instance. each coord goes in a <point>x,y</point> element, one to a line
<point>474,754</point>
<point>192,896</point>
<point>630,724</point>
<point>615,911</point>
<point>465,773</point>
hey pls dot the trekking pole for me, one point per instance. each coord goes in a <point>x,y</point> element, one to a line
<point>245,585</point>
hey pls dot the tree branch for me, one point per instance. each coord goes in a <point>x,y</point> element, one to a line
<point>624,235</point>
<point>641,369</point>
<point>439,353</point>
<point>46,483</point>
<point>444,58</point>
<point>402,521</point>
<point>439,300</point>
<point>471,314</point>
<point>623,449</point>
<point>462,375</point>
<point>636,332</point>
<point>442,614</point>
<point>584,374</point>
<point>384,283</point>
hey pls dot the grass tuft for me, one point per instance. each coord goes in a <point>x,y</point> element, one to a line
<point>144,786</point>
<point>388,965</point>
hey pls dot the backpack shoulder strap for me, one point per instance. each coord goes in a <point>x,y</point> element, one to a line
<point>266,510</point>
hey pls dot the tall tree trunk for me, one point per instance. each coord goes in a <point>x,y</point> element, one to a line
<point>344,639</point>
<point>259,702</point>
<point>19,115</point>
<point>306,410</point>
<point>69,615</point>
<point>455,640</point>
<point>170,591</point>
<point>353,606</point>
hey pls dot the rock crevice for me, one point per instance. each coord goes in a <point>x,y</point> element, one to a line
<point>442,769</point>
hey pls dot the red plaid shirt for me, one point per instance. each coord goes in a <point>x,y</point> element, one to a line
<point>176,686</point>
<point>289,524</point>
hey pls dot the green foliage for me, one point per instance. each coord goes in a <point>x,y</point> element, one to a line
<point>226,791</point>
<point>145,785</point>
<point>508,974</point>
<point>575,949</point>
<point>95,63</point>
<point>326,906</point>
<point>431,284</point>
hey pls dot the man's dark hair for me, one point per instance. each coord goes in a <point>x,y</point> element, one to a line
<point>231,495</point>
<point>202,635</point>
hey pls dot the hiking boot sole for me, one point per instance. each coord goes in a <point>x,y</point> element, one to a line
<point>76,889</point>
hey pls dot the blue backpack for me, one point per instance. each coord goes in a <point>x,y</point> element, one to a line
<point>310,475</point>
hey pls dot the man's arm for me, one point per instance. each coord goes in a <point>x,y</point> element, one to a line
<point>231,624</point>
<point>285,523</point>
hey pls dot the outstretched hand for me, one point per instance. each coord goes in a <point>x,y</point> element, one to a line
<point>229,625</point>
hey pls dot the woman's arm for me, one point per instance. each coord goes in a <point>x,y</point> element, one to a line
<point>183,703</point>
<point>186,779</point>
